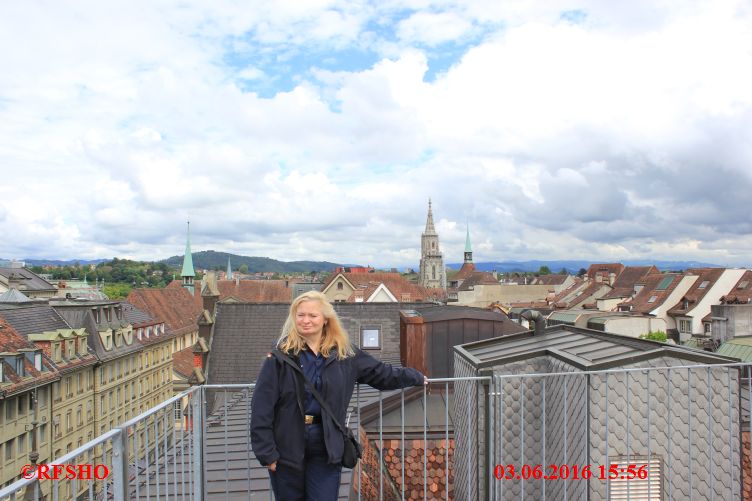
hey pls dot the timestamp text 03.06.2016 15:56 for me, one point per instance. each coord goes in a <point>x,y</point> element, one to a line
<point>632,471</point>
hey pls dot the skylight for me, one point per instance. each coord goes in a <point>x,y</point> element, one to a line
<point>704,284</point>
<point>664,283</point>
<point>652,299</point>
<point>743,284</point>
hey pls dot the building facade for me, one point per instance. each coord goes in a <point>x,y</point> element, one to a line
<point>432,273</point>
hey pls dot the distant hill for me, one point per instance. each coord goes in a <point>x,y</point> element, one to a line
<point>210,259</point>
<point>574,266</point>
<point>57,262</point>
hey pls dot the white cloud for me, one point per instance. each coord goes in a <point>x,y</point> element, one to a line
<point>623,134</point>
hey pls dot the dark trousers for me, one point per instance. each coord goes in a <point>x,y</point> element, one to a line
<point>318,481</point>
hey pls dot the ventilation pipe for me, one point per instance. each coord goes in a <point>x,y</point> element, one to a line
<point>537,319</point>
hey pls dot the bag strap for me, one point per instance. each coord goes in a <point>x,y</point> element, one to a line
<point>286,358</point>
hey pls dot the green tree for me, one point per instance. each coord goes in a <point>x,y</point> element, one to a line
<point>117,291</point>
<point>582,272</point>
<point>655,336</point>
<point>544,270</point>
<point>243,269</point>
<point>564,272</point>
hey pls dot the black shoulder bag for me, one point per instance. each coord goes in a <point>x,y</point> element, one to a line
<point>353,449</point>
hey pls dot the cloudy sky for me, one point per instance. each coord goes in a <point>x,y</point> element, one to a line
<point>319,129</point>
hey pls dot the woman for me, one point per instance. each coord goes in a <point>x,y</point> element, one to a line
<point>299,444</point>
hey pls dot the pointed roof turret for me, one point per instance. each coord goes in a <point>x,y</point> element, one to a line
<point>229,269</point>
<point>468,246</point>
<point>430,230</point>
<point>188,270</point>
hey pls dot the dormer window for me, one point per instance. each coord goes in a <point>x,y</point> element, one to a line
<point>161,328</point>
<point>685,304</point>
<point>108,314</point>
<point>82,348</point>
<point>140,333</point>
<point>70,348</point>
<point>96,315</point>
<point>20,366</point>
<point>38,361</point>
<point>57,352</point>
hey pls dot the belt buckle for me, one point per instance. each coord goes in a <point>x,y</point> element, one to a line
<point>308,419</point>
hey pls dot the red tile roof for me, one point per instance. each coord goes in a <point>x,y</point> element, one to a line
<point>414,457</point>
<point>398,285</point>
<point>553,279</point>
<point>174,306</point>
<point>641,303</point>
<point>463,273</point>
<point>624,285</point>
<point>255,291</point>
<point>742,291</point>
<point>706,278</point>
<point>604,270</point>
<point>11,341</point>
<point>478,278</point>
<point>182,362</point>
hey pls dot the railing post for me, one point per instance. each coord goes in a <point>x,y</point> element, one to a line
<point>120,464</point>
<point>198,443</point>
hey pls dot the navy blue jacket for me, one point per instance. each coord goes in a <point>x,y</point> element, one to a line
<point>277,426</point>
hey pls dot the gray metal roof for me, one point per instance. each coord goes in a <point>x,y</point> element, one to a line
<point>28,279</point>
<point>582,348</point>
<point>442,313</point>
<point>33,318</point>
<point>12,295</point>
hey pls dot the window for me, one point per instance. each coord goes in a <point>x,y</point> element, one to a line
<point>9,449</point>
<point>685,326</point>
<point>704,284</point>
<point>79,416</point>
<point>56,391</point>
<point>622,487</point>
<point>68,391</point>
<point>101,404</point>
<point>371,336</point>
<point>71,348</point>
<point>178,411</point>
<point>652,299</point>
<point>101,375</point>
<point>42,397</point>
<point>743,284</point>
<point>43,433</point>
<point>22,443</point>
<point>56,352</point>
<point>339,286</point>
<point>80,385</point>
<point>21,405</point>
<point>68,421</point>
<point>707,327</point>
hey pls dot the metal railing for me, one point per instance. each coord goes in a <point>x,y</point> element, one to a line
<point>455,439</point>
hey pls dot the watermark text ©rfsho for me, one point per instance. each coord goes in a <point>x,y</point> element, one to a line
<point>85,471</point>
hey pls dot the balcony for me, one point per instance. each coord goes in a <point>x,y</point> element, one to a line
<point>685,430</point>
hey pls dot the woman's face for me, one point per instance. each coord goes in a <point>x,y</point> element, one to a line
<point>309,320</point>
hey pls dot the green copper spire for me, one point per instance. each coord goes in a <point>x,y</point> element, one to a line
<point>468,247</point>
<point>229,269</point>
<point>188,270</point>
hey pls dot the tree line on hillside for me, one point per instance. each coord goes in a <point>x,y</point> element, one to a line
<point>122,271</point>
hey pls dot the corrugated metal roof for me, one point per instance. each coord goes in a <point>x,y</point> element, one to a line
<point>740,348</point>
<point>561,316</point>
<point>585,349</point>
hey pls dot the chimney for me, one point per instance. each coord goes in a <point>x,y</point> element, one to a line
<point>237,280</point>
<point>413,341</point>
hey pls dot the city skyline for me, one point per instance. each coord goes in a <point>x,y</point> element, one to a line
<point>318,131</point>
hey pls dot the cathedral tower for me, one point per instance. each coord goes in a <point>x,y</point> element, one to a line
<point>432,271</point>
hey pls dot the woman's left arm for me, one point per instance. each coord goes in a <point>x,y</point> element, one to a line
<point>383,376</point>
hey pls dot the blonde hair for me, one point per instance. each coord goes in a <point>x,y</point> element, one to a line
<point>334,336</point>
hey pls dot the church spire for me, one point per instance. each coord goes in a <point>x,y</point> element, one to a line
<point>188,273</point>
<point>430,230</point>
<point>468,246</point>
<point>432,273</point>
<point>229,269</point>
